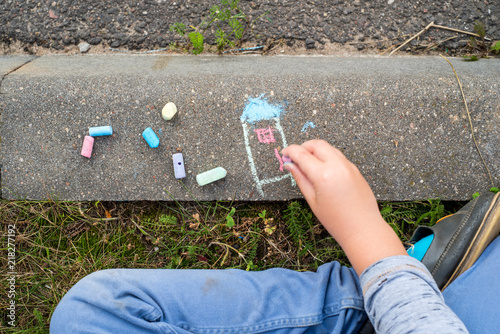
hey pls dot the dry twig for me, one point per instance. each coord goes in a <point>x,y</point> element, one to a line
<point>460,31</point>
<point>432,25</point>
<point>387,50</point>
<point>440,42</point>
<point>412,38</point>
<point>470,120</point>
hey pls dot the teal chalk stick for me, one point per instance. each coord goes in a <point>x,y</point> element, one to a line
<point>100,131</point>
<point>151,138</point>
<point>211,176</point>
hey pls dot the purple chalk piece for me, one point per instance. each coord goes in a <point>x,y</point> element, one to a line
<point>286,159</point>
<point>179,170</point>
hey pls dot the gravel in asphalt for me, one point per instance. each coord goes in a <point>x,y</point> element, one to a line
<point>127,24</point>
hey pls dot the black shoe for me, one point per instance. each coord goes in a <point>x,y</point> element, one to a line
<point>459,239</point>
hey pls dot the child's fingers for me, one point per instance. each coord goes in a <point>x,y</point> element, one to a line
<point>322,150</point>
<point>307,163</point>
<point>303,182</point>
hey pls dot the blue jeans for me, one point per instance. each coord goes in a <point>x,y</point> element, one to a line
<point>475,295</point>
<point>235,301</point>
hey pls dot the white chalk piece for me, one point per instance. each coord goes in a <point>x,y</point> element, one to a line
<point>151,138</point>
<point>179,170</point>
<point>169,111</point>
<point>211,176</point>
<point>100,131</point>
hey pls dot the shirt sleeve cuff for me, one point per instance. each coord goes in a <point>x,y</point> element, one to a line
<point>379,271</point>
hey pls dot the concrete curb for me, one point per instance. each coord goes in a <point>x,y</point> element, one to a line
<point>400,120</point>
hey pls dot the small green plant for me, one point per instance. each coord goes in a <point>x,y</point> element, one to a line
<point>229,218</point>
<point>179,28</point>
<point>167,219</point>
<point>495,48</point>
<point>250,266</point>
<point>404,217</point>
<point>299,222</point>
<point>196,41</point>
<point>479,46</point>
<point>493,190</point>
<point>269,226</point>
<point>230,22</point>
<point>436,212</point>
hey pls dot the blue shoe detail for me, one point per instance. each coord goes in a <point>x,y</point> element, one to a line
<point>419,249</point>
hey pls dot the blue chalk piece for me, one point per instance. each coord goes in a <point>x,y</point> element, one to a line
<point>100,131</point>
<point>179,170</point>
<point>151,138</point>
<point>308,124</point>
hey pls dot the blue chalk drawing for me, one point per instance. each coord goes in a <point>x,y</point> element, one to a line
<point>258,109</point>
<point>307,125</point>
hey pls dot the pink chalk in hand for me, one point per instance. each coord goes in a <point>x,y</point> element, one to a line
<point>282,160</point>
<point>88,143</point>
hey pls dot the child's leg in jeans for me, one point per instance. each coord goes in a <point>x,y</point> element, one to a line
<point>475,295</point>
<point>212,301</point>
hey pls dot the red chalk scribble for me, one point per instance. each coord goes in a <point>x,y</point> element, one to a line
<point>278,156</point>
<point>265,136</point>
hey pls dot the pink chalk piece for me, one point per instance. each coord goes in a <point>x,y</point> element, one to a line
<point>265,136</point>
<point>278,156</point>
<point>286,159</point>
<point>88,143</point>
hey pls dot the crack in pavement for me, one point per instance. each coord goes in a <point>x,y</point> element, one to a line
<point>13,70</point>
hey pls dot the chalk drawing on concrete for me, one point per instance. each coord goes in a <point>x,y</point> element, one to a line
<point>307,125</point>
<point>280,158</point>
<point>265,136</point>
<point>257,110</point>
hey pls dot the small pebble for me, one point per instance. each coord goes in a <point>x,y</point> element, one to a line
<point>169,111</point>
<point>211,176</point>
<point>151,138</point>
<point>84,47</point>
<point>97,131</point>
<point>179,170</point>
<point>88,144</point>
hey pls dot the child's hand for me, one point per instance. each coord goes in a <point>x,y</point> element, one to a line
<point>340,197</point>
<point>332,185</point>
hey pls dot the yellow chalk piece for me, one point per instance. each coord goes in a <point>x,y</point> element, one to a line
<point>169,111</point>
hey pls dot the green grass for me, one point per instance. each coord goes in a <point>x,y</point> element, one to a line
<point>58,243</point>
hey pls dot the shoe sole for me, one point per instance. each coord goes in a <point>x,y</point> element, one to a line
<point>488,230</point>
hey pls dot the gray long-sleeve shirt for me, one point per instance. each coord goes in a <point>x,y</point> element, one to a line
<point>402,297</point>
